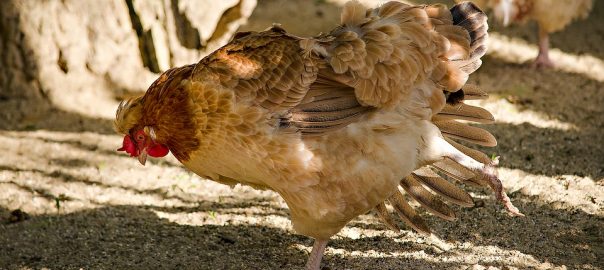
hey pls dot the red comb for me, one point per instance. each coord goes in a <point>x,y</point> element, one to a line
<point>128,146</point>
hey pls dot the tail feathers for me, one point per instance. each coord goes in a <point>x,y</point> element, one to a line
<point>468,37</point>
<point>464,31</point>
<point>473,20</point>
<point>418,48</point>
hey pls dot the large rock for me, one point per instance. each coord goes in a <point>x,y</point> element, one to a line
<point>82,56</point>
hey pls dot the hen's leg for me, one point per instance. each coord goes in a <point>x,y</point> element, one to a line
<point>487,171</point>
<point>543,60</point>
<point>314,260</point>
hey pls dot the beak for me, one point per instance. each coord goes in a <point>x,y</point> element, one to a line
<point>142,158</point>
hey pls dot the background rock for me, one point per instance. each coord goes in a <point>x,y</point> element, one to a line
<point>60,56</point>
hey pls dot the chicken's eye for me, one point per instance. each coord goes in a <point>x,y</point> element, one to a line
<point>140,137</point>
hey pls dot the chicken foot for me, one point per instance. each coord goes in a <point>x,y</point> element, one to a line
<point>543,60</point>
<point>485,171</point>
<point>314,259</point>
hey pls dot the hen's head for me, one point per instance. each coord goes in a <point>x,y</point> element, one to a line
<point>161,120</point>
<point>139,140</point>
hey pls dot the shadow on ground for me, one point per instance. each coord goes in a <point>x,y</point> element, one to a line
<point>127,237</point>
<point>57,120</point>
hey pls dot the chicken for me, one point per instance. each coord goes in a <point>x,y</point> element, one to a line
<point>333,123</point>
<point>550,15</point>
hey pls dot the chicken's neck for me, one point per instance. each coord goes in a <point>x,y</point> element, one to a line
<point>170,112</point>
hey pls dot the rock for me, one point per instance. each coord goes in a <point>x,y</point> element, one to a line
<point>83,56</point>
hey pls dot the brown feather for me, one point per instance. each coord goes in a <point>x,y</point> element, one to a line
<point>407,214</point>
<point>466,112</point>
<point>465,132</point>
<point>443,187</point>
<point>426,199</point>
<point>454,170</point>
<point>384,215</point>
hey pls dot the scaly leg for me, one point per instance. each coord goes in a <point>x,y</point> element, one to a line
<point>314,260</point>
<point>543,60</point>
<point>484,170</point>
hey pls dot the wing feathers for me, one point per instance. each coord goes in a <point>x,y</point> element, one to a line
<point>395,47</point>
<point>385,216</point>
<point>413,187</point>
<point>463,111</point>
<point>353,13</point>
<point>454,170</point>
<point>473,92</point>
<point>468,133</point>
<point>407,214</point>
<point>443,187</point>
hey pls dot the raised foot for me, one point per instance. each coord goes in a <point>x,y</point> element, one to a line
<point>486,172</point>
<point>494,182</point>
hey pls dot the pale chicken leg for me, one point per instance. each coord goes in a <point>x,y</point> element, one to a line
<point>543,60</point>
<point>314,259</point>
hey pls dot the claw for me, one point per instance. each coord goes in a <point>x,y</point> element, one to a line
<point>495,184</point>
<point>486,173</point>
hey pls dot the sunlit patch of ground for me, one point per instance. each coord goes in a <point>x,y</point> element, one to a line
<point>516,50</point>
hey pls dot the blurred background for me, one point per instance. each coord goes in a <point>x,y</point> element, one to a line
<point>68,200</point>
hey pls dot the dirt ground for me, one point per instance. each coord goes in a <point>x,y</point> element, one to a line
<point>90,207</point>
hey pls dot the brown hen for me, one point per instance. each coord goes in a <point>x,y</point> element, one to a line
<point>334,123</point>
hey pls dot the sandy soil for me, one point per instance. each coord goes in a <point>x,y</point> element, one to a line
<point>88,207</point>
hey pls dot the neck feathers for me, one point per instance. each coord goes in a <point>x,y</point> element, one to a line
<point>166,107</point>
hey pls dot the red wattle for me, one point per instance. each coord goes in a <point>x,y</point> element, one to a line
<point>158,150</point>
